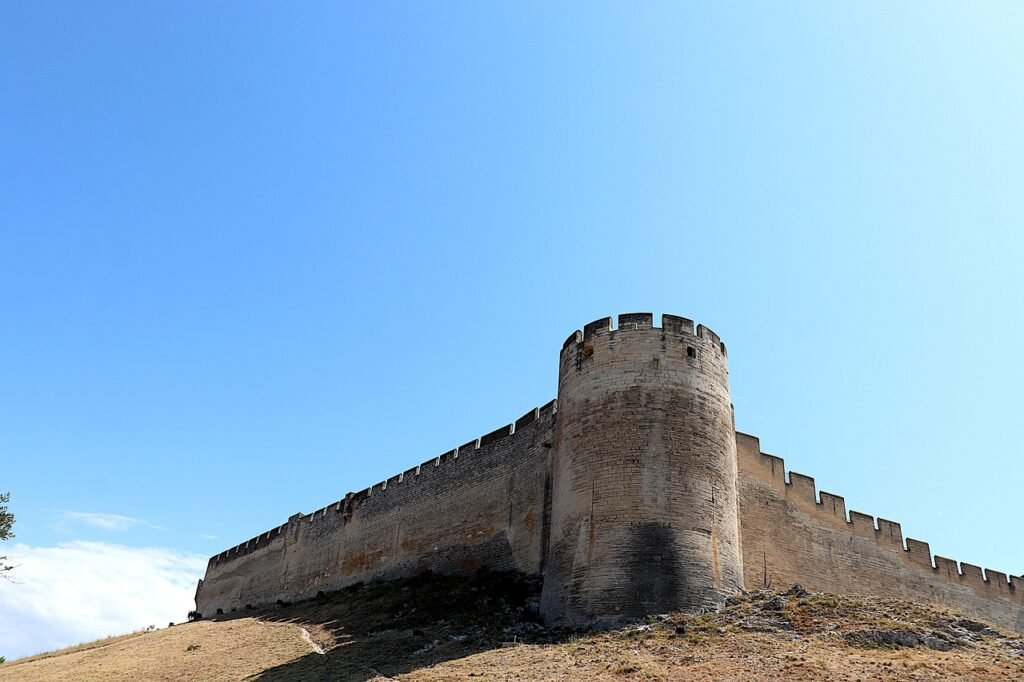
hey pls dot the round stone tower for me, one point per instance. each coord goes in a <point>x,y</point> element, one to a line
<point>644,514</point>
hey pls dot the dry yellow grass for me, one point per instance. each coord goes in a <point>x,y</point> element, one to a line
<point>732,657</point>
<point>453,629</point>
<point>230,650</point>
<point>82,647</point>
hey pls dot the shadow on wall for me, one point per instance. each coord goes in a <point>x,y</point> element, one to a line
<point>387,629</point>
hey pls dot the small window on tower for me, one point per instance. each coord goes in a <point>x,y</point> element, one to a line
<point>691,352</point>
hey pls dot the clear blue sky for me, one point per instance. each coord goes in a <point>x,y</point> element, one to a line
<point>256,255</point>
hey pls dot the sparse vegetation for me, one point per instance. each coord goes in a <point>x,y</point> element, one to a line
<point>436,628</point>
<point>82,646</point>
<point>6,533</point>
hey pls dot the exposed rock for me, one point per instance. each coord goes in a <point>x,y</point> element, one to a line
<point>897,638</point>
<point>971,625</point>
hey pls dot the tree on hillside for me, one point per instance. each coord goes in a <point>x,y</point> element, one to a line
<point>6,522</point>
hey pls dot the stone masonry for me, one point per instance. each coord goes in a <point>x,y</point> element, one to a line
<point>630,494</point>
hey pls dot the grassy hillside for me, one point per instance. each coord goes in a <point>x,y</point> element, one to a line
<point>485,628</point>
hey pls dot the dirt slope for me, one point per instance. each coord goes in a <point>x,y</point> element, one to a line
<point>461,629</point>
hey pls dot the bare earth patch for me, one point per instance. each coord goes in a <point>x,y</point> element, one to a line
<point>485,628</point>
<point>231,650</point>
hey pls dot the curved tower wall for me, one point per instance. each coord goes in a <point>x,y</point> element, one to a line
<point>623,497</point>
<point>644,514</point>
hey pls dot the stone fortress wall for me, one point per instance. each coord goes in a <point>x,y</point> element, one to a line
<point>481,505</point>
<point>793,535</point>
<point>632,494</point>
<point>644,510</point>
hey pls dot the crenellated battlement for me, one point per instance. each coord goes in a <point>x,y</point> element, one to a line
<point>645,422</point>
<point>801,490</point>
<point>248,546</point>
<point>346,505</point>
<point>631,495</point>
<point>628,322</point>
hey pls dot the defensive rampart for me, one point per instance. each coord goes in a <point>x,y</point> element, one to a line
<point>791,535</point>
<point>643,514</point>
<point>632,494</point>
<point>480,505</point>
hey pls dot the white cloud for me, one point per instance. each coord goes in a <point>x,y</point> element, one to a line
<point>207,536</point>
<point>100,520</point>
<point>80,591</point>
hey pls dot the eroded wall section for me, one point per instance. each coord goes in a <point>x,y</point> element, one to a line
<point>480,505</point>
<point>790,535</point>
